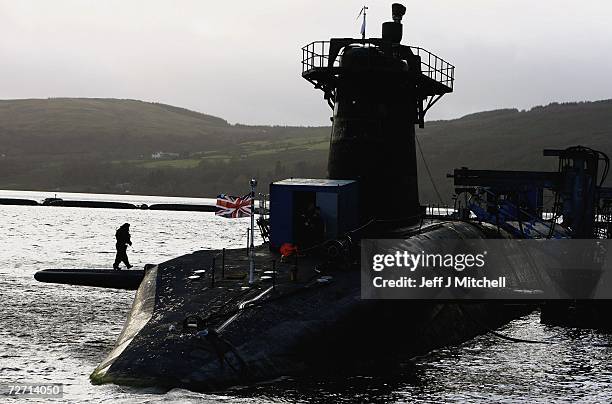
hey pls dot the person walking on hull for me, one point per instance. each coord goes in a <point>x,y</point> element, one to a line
<point>123,240</point>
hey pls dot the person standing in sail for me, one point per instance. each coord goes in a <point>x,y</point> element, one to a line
<point>123,240</point>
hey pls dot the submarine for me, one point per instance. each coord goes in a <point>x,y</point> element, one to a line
<point>212,329</point>
<point>201,322</point>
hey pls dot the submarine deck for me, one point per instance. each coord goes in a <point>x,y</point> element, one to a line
<point>198,286</point>
<point>187,281</point>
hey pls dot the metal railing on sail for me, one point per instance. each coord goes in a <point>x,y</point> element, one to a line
<point>315,55</point>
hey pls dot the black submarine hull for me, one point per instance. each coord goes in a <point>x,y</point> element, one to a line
<point>246,334</point>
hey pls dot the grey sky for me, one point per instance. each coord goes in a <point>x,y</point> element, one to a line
<point>240,60</point>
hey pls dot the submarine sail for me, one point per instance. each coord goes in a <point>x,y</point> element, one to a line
<point>379,89</point>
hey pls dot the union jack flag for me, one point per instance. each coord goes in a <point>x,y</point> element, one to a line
<point>234,206</point>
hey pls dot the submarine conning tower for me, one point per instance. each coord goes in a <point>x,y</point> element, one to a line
<point>378,90</point>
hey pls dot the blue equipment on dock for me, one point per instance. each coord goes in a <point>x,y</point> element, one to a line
<point>513,200</point>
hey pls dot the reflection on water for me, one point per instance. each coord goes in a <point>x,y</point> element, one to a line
<point>576,367</point>
<point>57,333</point>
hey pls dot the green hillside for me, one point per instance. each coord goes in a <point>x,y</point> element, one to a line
<point>106,145</point>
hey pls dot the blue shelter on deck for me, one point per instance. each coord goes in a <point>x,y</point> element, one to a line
<point>291,198</point>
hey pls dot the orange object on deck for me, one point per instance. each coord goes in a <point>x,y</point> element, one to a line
<point>288,249</point>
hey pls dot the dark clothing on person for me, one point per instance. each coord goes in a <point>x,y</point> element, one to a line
<point>121,257</point>
<point>312,230</point>
<point>318,226</point>
<point>123,239</point>
<point>123,235</point>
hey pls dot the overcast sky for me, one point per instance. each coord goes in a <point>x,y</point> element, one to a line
<point>240,60</point>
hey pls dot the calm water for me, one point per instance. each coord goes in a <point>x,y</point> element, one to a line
<point>55,333</point>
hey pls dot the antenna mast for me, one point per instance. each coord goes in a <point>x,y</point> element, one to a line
<point>363,24</point>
